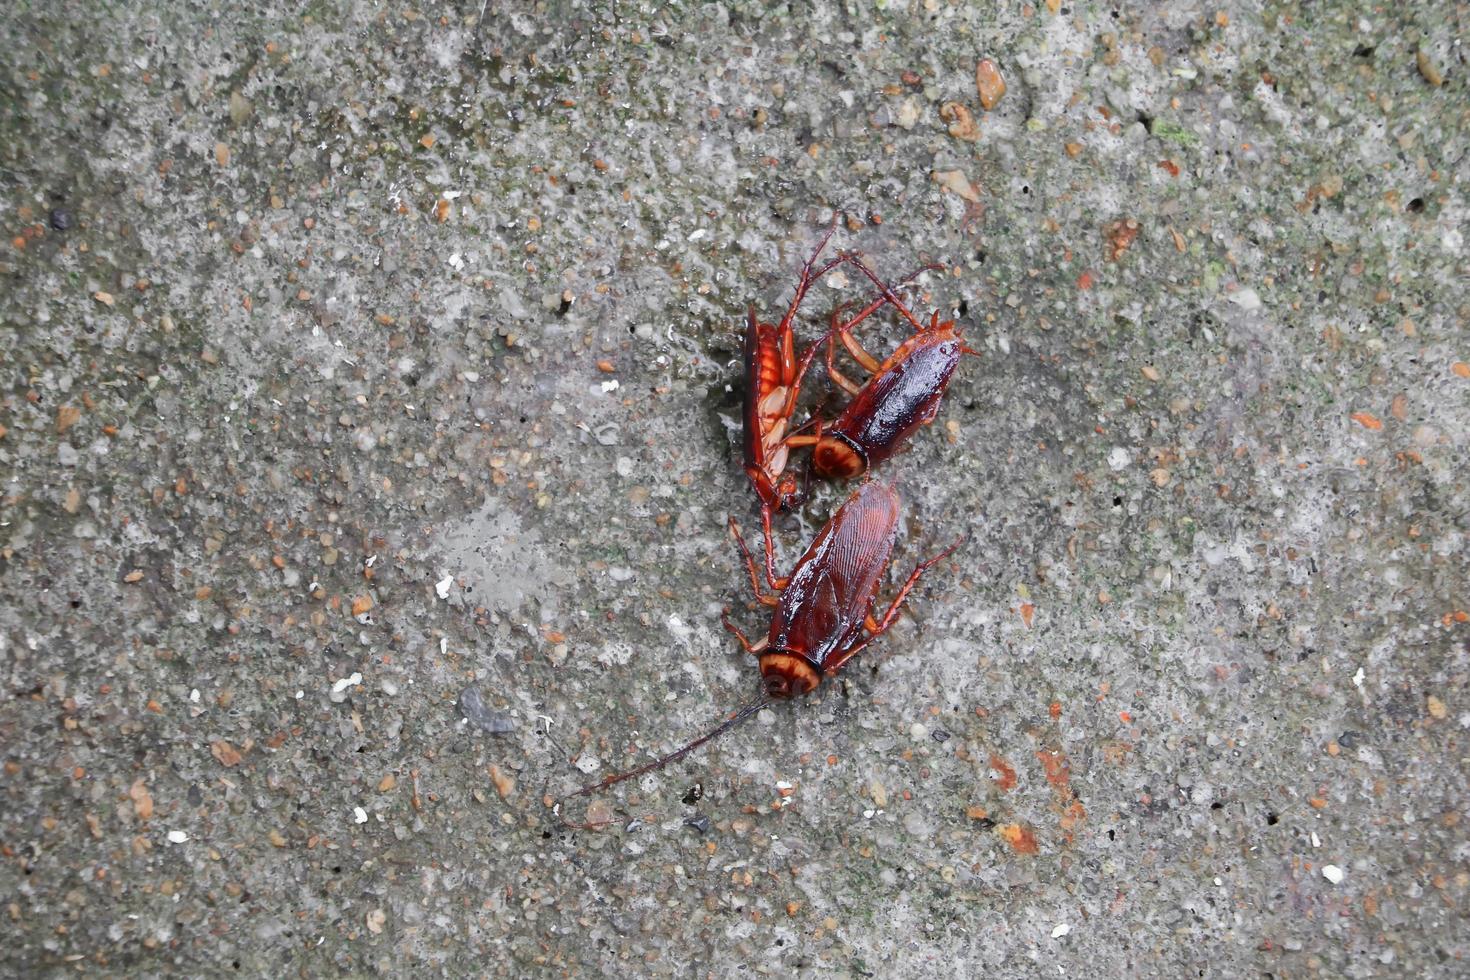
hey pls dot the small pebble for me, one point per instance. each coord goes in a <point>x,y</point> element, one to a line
<point>474,709</point>
<point>599,812</point>
<point>698,822</point>
<point>1332,873</point>
<point>61,219</point>
<point>1427,67</point>
<point>989,84</point>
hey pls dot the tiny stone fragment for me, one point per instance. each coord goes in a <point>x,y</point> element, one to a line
<point>961,122</point>
<point>225,753</point>
<point>474,709</point>
<point>599,812</point>
<point>878,792</point>
<point>989,84</point>
<point>505,784</point>
<point>956,182</point>
<point>142,800</point>
<point>1431,71</point>
<point>1120,235</point>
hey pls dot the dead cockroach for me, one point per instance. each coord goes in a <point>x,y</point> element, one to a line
<point>772,382</point>
<point>773,376</point>
<point>903,393</point>
<point>823,610</point>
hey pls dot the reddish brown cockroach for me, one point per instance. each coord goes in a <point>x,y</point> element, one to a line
<point>773,376</point>
<point>903,393</point>
<point>823,611</point>
<point>772,382</point>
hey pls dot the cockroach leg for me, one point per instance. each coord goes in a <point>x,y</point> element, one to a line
<point>868,361</point>
<point>919,569</point>
<point>842,380</point>
<point>888,294</point>
<point>755,649</point>
<point>777,584</point>
<point>843,331</point>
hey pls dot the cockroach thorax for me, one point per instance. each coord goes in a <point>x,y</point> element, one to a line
<point>835,456</point>
<point>788,675</point>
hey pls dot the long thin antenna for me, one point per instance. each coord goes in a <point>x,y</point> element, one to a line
<point>678,754</point>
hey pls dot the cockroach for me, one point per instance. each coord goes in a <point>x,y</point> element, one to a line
<point>903,392</point>
<point>773,376</point>
<point>823,610</point>
<point>772,382</point>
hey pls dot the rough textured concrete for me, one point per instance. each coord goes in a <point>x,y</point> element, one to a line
<point>312,314</point>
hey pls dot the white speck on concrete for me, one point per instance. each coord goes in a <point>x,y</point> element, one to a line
<point>1246,299</point>
<point>1332,873</point>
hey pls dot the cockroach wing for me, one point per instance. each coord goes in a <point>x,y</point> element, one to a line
<point>831,590</point>
<point>902,396</point>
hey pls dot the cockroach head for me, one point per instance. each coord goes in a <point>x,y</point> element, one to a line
<point>789,495</point>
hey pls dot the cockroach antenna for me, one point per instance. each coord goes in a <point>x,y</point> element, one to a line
<point>657,764</point>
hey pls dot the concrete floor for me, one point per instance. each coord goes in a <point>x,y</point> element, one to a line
<point>356,358</point>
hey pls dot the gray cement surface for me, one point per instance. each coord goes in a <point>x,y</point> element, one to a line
<point>368,368</point>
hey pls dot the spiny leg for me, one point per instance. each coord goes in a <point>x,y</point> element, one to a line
<point>913,579</point>
<point>888,292</point>
<point>859,354</point>
<point>841,380</point>
<point>810,275</point>
<point>885,296</point>
<point>755,649</point>
<point>844,330</point>
<point>776,584</point>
